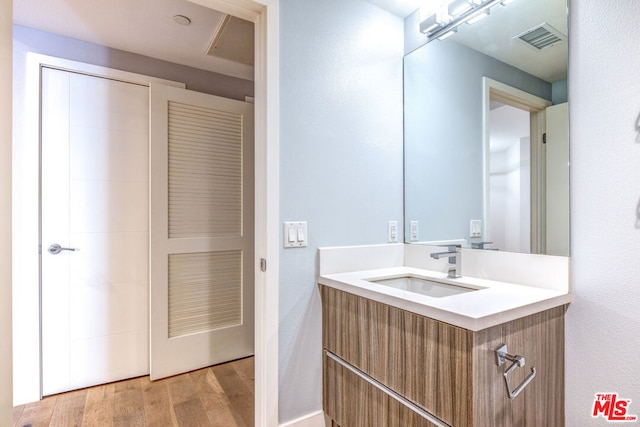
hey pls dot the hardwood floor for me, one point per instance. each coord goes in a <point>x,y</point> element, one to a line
<point>220,396</point>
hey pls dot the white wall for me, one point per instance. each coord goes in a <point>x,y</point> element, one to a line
<point>341,161</point>
<point>6,388</point>
<point>603,322</point>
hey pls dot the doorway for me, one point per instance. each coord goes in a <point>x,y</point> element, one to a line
<point>542,174</point>
<point>515,172</point>
<point>510,178</point>
<point>95,183</point>
<point>25,259</point>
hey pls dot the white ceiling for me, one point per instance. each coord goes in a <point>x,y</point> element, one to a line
<point>401,8</point>
<point>145,27</point>
<point>493,36</point>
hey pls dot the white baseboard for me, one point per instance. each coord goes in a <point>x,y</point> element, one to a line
<point>315,419</point>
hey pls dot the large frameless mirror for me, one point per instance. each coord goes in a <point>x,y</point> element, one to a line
<point>486,129</point>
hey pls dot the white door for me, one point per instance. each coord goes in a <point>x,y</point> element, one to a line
<point>201,249</point>
<point>557,148</point>
<point>94,201</point>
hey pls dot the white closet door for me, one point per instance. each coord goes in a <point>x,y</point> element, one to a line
<point>94,200</point>
<point>201,249</point>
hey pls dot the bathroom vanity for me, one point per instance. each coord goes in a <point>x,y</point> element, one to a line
<point>406,341</point>
<point>398,357</point>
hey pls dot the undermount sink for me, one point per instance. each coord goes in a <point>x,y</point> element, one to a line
<point>422,286</point>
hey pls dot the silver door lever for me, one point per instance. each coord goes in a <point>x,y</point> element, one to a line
<point>55,249</point>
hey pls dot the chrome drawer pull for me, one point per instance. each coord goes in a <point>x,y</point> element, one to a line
<point>386,390</point>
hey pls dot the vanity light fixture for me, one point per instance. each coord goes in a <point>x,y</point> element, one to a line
<point>430,24</point>
<point>431,20</point>
<point>457,13</point>
<point>448,34</point>
<point>458,7</point>
<point>478,17</point>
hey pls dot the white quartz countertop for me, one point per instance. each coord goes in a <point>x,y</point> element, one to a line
<point>492,304</point>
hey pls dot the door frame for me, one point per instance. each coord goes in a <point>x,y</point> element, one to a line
<point>6,206</point>
<point>265,16</point>
<point>492,89</point>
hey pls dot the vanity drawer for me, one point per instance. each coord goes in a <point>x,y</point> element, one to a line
<point>447,371</point>
<point>350,401</point>
<point>424,360</point>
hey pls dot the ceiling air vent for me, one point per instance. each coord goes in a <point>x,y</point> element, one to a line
<point>541,36</point>
<point>233,41</point>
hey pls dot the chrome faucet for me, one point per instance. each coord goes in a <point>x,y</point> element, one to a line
<point>455,261</point>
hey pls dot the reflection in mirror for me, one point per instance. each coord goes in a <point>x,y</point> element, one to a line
<point>479,107</point>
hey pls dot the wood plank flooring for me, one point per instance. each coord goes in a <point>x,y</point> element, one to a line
<point>219,396</point>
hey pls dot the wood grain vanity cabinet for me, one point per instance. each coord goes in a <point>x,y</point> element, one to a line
<point>448,371</point>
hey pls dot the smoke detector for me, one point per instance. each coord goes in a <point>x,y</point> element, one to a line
<point>541,36</point>
<point>181,20</point>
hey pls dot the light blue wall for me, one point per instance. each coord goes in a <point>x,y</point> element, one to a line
<point>341,161</point>
<point>443,134</point>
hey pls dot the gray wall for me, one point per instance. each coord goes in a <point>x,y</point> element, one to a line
<point>341,161</point>
<point>560,92</point>
<point>444,132</point>
<point>603,321</point>
<point>29,40</point>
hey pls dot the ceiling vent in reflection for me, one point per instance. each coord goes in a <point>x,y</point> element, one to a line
<point>541,36</point>
<point>233,41</point>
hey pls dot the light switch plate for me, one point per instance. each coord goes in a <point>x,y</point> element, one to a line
<point>295,234</point>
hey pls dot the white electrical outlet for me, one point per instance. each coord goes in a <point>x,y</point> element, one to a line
<point>415,234</point>
<point>393,232</point>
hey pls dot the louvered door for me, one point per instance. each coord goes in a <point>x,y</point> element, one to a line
<point>201,250</point>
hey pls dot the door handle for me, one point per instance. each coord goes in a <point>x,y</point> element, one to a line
<point>55,249</point>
